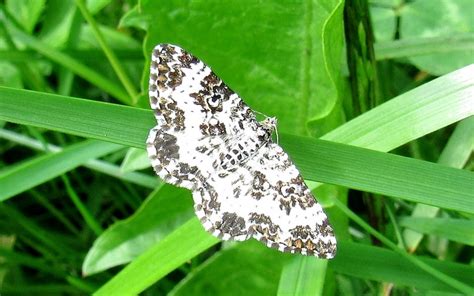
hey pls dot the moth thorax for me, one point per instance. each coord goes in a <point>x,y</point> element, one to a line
<point>268,126</point>
<point>269,123</point>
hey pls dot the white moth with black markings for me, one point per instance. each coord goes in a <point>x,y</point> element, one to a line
<point>208,140</point>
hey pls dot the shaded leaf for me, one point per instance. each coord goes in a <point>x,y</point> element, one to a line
<point>421,19</point>
<point>248,268</point>
<point>458,230</point>
<point>383,265</point>
<point>135,159</point>
<point>164,211</point>
<point>175,249</point>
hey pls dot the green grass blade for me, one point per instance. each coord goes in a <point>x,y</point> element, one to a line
<point>460,145</point>
<point>94,164</point>
<point>41,169</point>
<point>88,217</point>
<point>180,246</point>
<point>354,259</point>
<point>33,262</point>
<point>91,119</point>
<point>382,173</point>
<point>82,55</point>
<point>458,230</point>
<point>455,154</point>
<point>70,63</point>
<point>14,257</point>
<point>44,289</point>
<point>433,271</point>
<point>409,116</point>
<point>349,166</point>
<point>382,265</point>
<point>425,109</point>
<point>114,62</point>
<point>55,212</point>
<point>50,241</point>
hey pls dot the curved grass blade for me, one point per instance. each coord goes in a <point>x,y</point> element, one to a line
<point>94,164</point>
<point>68,62</point>
<point>178,247</point>
<point>43,168</point>
<point>409,116</point>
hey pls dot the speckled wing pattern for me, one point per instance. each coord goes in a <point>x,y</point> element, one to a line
<point>209,141</point>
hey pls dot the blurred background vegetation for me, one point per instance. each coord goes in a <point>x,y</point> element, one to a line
<point>387,75</point>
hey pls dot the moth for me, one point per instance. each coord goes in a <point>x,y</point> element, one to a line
<point>209,141</point>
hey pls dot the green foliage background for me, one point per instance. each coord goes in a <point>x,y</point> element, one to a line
<point>374,100</point>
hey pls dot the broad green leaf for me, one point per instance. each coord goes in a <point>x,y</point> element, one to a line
<point>436,18</point>
<point>384,22</point>
<point>251,269</point>
<point>26,12</point>
<point>180,246</point>
<point>10,76</point>
<point>96,5</point>
<point>164,211</point>
<point>133,18</point>
<point>424,46</point>
<point>458,230</point>
<point>305,37</point>
<point>117,40</point>
<point>58,18</point>
<point>135,159</point>
<point>44,168</point>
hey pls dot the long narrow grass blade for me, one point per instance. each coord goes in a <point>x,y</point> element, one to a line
<point>44,168</point>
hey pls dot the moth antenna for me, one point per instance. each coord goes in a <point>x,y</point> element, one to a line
<point>263,114</point>
<point>276,134</point>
